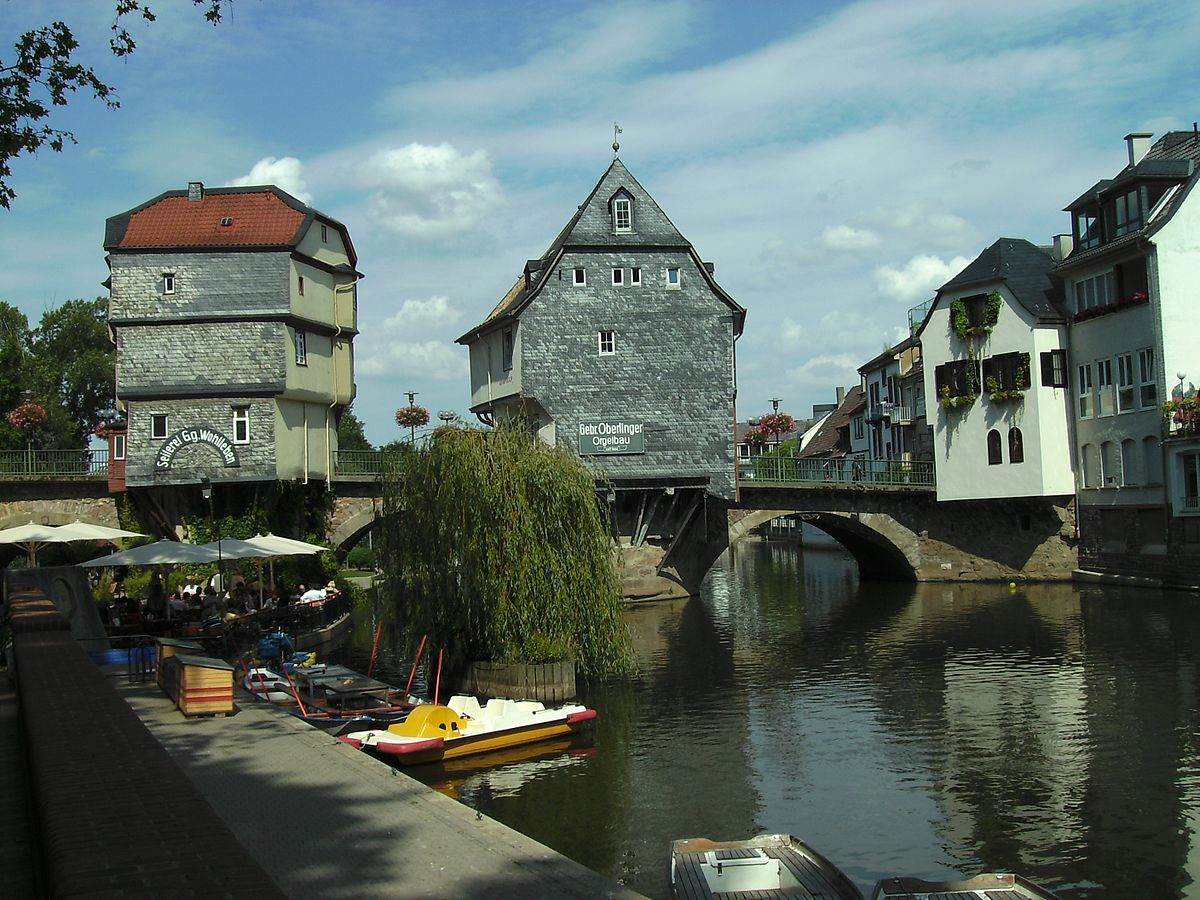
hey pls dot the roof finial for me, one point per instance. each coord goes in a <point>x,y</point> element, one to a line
<point>616,146</point>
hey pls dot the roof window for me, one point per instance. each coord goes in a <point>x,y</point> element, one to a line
<point>227,221</point>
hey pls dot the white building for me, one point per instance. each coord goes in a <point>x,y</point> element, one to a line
<point>995,364</point>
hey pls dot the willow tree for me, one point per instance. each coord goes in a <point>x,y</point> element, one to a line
<point>493,545</point>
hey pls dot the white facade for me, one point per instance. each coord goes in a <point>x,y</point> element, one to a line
<point>1030,433</point>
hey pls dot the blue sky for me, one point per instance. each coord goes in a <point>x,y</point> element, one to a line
<point>837,162</point>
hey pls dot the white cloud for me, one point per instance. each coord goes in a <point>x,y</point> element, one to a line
<point>429,191</point>
<point>849,240</point>
<point>917,279</point>
<point>438,360</point>
<point>286,173</point>
<point>430,313</point>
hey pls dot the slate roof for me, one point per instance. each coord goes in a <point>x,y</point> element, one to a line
<point>827,441</point>
<point>887,355</point>
<point>263,217</point>
<point>1027,271</point>
<point>591,226</point>
<point>1173,157</point>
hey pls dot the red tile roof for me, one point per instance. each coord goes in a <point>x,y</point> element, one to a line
<point>260,219</point>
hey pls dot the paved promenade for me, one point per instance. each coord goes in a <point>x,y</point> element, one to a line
<point>326,820</point>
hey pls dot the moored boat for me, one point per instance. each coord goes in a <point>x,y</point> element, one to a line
<point>770,865</point>
<point>330,696</point>
<point>981,887</point>
<point>463,727</point>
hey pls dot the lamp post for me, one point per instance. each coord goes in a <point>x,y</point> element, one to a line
<point>775,403</point>
<point>412,429</point>
<point>447,416</point>
<point>207,492</point>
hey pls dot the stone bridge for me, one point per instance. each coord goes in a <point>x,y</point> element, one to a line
<point>903,533</point>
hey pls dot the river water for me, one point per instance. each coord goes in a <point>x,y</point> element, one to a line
<point>929,730</point>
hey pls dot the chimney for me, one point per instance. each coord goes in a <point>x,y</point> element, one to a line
<point>1139,145</point>
<point>841,395</point>
<point>1063,244</point>
<point>195,191</point>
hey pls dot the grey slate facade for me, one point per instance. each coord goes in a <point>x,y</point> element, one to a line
<point>658,352</point>
<point>208,296</point>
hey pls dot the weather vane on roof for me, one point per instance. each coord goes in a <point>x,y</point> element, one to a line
<point>616,145</point>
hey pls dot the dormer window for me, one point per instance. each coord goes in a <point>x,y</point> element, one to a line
<point>227,221</point>
<point>1128,213</point>
<point>1087,230</point>
<point>622,212</point>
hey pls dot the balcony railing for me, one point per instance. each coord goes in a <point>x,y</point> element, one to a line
<point>893,411</point>
<point>358,463</point>
<point>60,465</point>
<point>845,472</point>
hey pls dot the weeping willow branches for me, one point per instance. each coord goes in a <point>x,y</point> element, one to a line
<point>494,546</point>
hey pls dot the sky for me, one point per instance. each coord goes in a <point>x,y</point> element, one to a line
<point>837,162</point>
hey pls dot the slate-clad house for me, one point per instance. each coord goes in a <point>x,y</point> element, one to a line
<point>618,342</point>
<point>234,313</point>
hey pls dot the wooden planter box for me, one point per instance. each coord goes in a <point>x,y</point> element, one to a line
<point>551,683</point>
<point>199,685</point>
<point>166,648</point>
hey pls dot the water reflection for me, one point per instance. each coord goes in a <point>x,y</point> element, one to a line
<point>932,730</point>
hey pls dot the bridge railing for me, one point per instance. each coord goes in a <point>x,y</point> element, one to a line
<point>867,472</point>
<point>71,465</point>
<point>357,463</point>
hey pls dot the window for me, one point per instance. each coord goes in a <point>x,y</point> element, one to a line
<point>959,378</point>
<point>1191,481</point>
<point>1087,230</point>
<point>301,282</point>
<point>1084,387</point>
<point>1089,468</point>
<point>743,451</point>
<point>1152,460</point>
<point>1006,372</point>
<point>1125,401</point>
<point>858,428</point>
<point>622,210</point>
<point>1099,290</point>
<point>1146,378</point>
<point>1128,215</point>
<point>635,276</point>
<point>1110,471</point>
<point>976,309</point>
<point>1129,461</point>
<point>301,349</point>
<point>607,341</point>
<point>618,276</point>
<point>241,425</point>
<point>1016,446</point>
<point>158,426</point>
<point>580,276</point>
<point>168,283</point>
<point>1104,400</point>
<point>227,222</point>
<point>324,234</point>
<point>673,277</point>
<point>118,446</point>
<point>993,448</point>
<point>1054,368</point>
<point>506,352</point>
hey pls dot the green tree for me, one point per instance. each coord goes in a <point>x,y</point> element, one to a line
<point>350,432</point>
<point>44,74</point>
<point>74,362</point>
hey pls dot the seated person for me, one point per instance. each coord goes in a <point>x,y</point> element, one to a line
<point>177,604</point>
<point>313,595</point>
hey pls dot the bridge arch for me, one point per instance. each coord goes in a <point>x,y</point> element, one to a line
<point>883,548</point>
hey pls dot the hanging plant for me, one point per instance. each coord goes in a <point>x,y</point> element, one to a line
<point>960,316</point>
<point>949,401</point>
<point>1181,416</point>
<point>756,436</point>
<point>412,416</point>
<point>776,423</point>
<point>28,416</point>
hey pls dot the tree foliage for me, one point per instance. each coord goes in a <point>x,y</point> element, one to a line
<point>493,545</point>
<point>350,432</point>
<point>44,73</point>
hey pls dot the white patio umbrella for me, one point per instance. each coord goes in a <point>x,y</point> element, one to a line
<point>268,546</point>
<point>85,531</point>
<point>158,553</point>
<point>31,538</point>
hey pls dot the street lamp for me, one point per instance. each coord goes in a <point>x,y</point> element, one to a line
<point>447,416</point>
<point>775,403</point>
<point>206,491</point>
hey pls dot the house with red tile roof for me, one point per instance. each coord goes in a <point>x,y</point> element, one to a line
<point>234,314</point>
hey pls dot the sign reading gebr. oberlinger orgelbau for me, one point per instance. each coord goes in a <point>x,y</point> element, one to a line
<point>610,436</point>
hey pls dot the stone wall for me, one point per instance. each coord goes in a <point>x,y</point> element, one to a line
<point>202,357</point>
<point>672,370</point>
<point>1140,543</point>
<point>238,284</point>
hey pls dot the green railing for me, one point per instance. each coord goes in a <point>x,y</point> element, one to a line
<point>839,472</point>
<point>73,465</point>
<point>358,463</point>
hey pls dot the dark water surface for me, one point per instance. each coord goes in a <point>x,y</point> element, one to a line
<point>930,730</point>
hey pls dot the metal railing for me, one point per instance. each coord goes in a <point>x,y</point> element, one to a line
<point>845,472</point>
<point>358,462</point>
<point>73,465</point>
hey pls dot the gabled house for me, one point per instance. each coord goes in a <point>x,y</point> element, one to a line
<point>895,404</point>
<point>234,312</point>
<point>1130,287</point>
<point>618,343</point>
<point>994,345</point>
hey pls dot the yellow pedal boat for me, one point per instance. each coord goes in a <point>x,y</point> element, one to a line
<point>463,727</point>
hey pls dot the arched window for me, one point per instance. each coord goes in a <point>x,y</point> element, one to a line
<point>1016,446</point>
<point>1089,466</point>
<point>1152,460</point>
<point>1110,472</point>
<point>993,444</point>
<point>1130,470</point>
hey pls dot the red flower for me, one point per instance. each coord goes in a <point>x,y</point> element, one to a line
<point>412,416</point>
<point>28,415</point>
